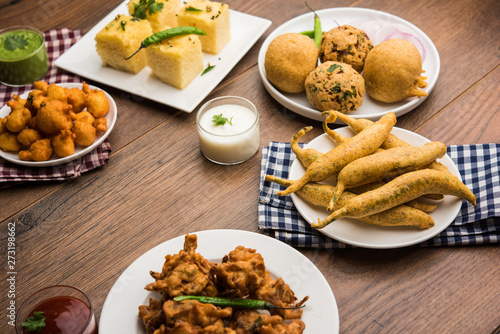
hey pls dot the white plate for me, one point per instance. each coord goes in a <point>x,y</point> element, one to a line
<point>360,234</point>
<point>379,26</point>
<point>83,60</point>
<point>79,151</point>
<point>119,312</point>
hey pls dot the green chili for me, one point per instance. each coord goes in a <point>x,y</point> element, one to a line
<point>165,34</point>
<point>317,33</point>
<point>238,303</point>
<point>308,33</point>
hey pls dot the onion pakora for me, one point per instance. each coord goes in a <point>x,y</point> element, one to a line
<point>241,274</point>
<point>66,117</point>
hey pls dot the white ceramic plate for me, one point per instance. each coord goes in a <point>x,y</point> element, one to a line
<point>79,151</point>
<point>379,26</point>
<point>83,60</point>
<point>119,312</point>
<point>360,234</point>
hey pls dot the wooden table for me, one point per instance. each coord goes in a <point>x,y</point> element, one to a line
<point>157,185</point>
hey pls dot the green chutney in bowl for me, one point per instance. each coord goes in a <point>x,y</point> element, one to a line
<point>23,56</point>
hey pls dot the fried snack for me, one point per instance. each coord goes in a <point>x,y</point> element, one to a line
<point>101,124</point>
<point>364,143</point>
<point>192,316</point>
<point>83,116</point>
<point>35,99</point>
<point>16,103</point>
<point>186,273</point>
<point>84,133</point>
<point>401,215</point>
<point>305,156</point>
<point>152,315</point>
<point>76,97</point>
<point>41,150</point>
<point>379,165</point>
<point>41,85</point>
<point>358,124</point>
<point>330,118</point>
<point>334,85</point>
<point>29,136</point>
<point>400,190</point>
<point>9,142</point>
<point>289,59</point>
<point>241,273</point>
<point>55,92</point>
<point>249,321</point>
<point>17,120</point>
<point>52,117</point>
<point>64,143</point>
<point>3,128</point>
<point>345,44</point>
<point>96,101</point>
<point>393,71</point>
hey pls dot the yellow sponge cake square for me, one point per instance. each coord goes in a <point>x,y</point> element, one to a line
<point>211,17</point>
<point>120,39</point>
<point>177,60</point>
<point>161,14</point>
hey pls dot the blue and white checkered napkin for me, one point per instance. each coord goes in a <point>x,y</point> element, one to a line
<point>479,166</point>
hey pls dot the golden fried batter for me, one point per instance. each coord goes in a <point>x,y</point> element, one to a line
<point>101,124</point>
<point>83,116</point>
<point>52,117</point>
<point>250,321</point>
<point>195,313</point>
<point>64,143</point>
<point>84,132</point>
<point>55,92</point>
<point>96,102</point>
<point>29,136</point>
<point>17,120</point>
<point>9,142</point>
<point>241,273</point>
<point>41,150</point>
<point>76,97</point>
<point>186,273</point>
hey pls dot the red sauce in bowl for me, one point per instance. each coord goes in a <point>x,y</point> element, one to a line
<point>64,315</point>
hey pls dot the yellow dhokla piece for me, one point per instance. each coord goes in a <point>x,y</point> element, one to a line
<point>211,17</point>
<point>120,39</point>
<point>177,60</point>
<point>163,13</point>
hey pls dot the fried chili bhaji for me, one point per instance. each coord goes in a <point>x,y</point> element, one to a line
<point>241,274</point>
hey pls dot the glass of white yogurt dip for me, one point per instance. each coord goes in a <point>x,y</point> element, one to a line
<point>228,128</point>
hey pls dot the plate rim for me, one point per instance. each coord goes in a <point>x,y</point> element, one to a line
<point>252,240</point>
<point>314,114</point>
<point>144,81</point>
<point>433,231</point>
<point>113,112</point>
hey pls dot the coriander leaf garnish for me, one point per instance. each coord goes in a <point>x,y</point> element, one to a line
<point>208,69</point>
<point>14,42</point>
<point>146,6</point>
<point>220,120</point>
<point>123,24</point>
<point>193,9</point>
<point>333,67</point>
<point>35,323</point>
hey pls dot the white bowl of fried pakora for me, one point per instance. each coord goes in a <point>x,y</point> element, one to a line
<point>55,123</point>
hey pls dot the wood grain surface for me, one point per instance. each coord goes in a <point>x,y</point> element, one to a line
<point>157,185</point>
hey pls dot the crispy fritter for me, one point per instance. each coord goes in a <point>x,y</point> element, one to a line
<point>9,142</point>
<point>64,143</point>
<point>241,273</point>
<point>52,117</point>
<point>185,273</point>
<point>84,133</point>
<point>96,101</point>
<point>29,136</point>
<point>41,150</point>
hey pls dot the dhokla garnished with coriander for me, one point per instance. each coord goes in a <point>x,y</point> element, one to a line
<point>211,17</point>
<point>119,39</point>
<point>161,14</point>
<point>176,60</point>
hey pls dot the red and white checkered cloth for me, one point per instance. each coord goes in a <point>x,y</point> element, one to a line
<point>57,42</point>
